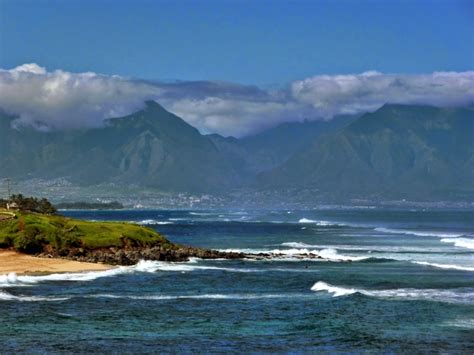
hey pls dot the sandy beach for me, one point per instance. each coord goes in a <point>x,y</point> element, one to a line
<point>11,261</point>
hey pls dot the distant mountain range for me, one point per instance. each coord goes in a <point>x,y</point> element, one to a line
<point>397,151</point>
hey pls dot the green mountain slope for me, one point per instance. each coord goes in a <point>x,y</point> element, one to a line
<point>270,148</point>
<point>397,151</point>
<point>151,147</point>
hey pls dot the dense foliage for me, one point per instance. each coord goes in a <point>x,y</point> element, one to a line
<point>90,205</point>
<point>31,204</point>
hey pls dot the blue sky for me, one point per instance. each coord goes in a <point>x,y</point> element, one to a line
<point>231,67</point>
<point>249,42</point>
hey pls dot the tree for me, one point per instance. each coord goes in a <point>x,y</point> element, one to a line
<point>33,204</point>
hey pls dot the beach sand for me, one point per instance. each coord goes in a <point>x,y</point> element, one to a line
<point>11,261</point>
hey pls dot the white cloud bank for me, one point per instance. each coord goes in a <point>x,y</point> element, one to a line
<point>61,100</point>
<point>64,100</point>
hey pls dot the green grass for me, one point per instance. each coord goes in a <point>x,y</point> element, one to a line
<point>31,232</point>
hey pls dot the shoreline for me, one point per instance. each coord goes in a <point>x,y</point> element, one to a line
<point>21,264</point>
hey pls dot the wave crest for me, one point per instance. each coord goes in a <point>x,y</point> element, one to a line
<point>320,223</point>
<point>460,242</point>
<point>150,222</point>
<point>445,266</point>
<point>5,296</point>
<point>417,233</point>
<point>464,295</point>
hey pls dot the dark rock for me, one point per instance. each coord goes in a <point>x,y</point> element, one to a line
<point>129,255</point>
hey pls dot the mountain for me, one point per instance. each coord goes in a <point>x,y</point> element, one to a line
<point>152,148</point>
<point>270,148</point>
<point>400,151</point>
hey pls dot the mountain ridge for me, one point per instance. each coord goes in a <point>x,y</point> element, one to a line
<point>397,150</point>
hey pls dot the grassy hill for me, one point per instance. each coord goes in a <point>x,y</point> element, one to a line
<point>115,243</point>
<point>35,233</point>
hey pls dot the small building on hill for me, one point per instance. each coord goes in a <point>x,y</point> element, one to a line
<point>12,206</point>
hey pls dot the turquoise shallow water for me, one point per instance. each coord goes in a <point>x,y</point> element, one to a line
<point>392,280</point>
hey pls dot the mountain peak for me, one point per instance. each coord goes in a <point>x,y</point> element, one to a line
<point>153,105</point>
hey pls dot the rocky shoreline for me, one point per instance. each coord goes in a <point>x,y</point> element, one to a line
<point>132,255</point>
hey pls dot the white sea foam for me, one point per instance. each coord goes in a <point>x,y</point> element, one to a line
<point>295,254</point>
<point>368,248</point>
<point>460,242</point>
<point>335,290</point>
<point>461,323</point>
<point>298,245</point>
<point>445,266</point>
<point>438,295</point>
<point>25,280</point>
<point>5,296</point>
<point>153,222</point>
<point>153,266</point>
<point>218,296</point>
<point>13,280</point>
<point>201,214</point>
<point>418,233</point>
<point>320,223</point>
<point>8,280</point>
<point>333,255</point>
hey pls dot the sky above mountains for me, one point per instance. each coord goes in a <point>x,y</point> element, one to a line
<point>231,67</point>
<point>268,42</point>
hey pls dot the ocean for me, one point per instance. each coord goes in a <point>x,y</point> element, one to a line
<point>391,280</point>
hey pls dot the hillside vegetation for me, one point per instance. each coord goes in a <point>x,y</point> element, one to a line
<point>33,233</point>
<point>397,151</point>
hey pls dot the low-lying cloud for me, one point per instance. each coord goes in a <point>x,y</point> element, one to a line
<point>64,100</point>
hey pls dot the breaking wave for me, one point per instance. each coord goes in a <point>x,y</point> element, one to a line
<point>335,290</point>
<point>296,253</point>
<point>461,323</point>
<point>298,245</point>
<point>217,296</point>
<point>366,248</point>
<point>321,223</point>
<point>202,214</point>
<point>465,296</point>
<point>153,266</point>
<point>460,242</point>
<point>148,222</point>
<point>14,280</point>
<point>333,255</point>
<point>5,296</point>
<point>417,233</point>
<point>445,266</point>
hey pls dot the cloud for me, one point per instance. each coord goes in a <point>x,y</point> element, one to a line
<point>331,95</point>
<point>238,117</point>
<point>64,100</point>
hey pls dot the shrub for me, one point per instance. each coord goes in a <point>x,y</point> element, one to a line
<point>33,204</point>
<point>29,242</point>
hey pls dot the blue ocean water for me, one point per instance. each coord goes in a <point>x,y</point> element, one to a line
<point>390,280</point>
